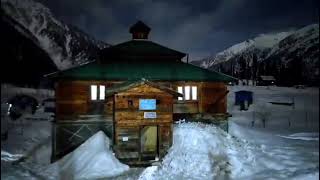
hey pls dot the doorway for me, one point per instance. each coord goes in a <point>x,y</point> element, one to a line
<point>149,142</point>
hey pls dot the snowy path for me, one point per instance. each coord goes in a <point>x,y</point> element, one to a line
<point>281,158</point>
<point>206,152</point>
<point>287,151</point>
<point>16,172</point>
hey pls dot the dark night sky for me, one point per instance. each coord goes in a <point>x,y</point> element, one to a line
<point>200,28</point>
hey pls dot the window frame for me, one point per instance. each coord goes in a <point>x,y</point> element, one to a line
<point>99,99</point>
<point>190,93</point>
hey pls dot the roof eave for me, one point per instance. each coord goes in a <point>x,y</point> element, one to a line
<point>139,83</point>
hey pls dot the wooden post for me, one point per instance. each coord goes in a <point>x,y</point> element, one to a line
<point>293,104</point>
<point>140,151</point>
<point>306,118</point>
<point>158,141</point>
<point>253,119</point>
<point>114,120</point>
<point>53,143</point>
<point>289,121</point>
<point>187,58</point>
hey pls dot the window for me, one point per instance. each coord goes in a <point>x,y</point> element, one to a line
<point>94,92</point>
<point>141,35</point>
<point>180,90</point>
<point>194,92</point>
<point>130,103</point>
<point>102,92</point>
<point>189,92</point>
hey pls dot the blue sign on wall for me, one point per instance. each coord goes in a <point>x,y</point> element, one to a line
<point>147,104</point>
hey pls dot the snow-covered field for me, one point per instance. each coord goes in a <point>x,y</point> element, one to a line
<point>287,148</point>
<point>290,140</point>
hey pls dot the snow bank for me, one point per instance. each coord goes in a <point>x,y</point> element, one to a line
<point>204,152</point>
<point>28,138</point>
<point>314,176</point>
<point>93,159</point>
<point>303,136</point>
<point>148,173</point>
<point>6,156</point>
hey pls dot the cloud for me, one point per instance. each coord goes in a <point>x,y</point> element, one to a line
<point>191,32</point>
<point>199,28</point>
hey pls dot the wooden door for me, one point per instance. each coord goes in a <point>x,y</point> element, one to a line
<point>149,142</point>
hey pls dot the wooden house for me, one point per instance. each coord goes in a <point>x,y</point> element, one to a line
<point>142,120</point>
<point>266,81</point>
<point>84,104</point>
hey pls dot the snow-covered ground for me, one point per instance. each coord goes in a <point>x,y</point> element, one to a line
<point>287,148</point>
<point>290,140</point>
<point>92,160</point>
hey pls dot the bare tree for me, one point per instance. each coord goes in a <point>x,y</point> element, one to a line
<point>230,105</point>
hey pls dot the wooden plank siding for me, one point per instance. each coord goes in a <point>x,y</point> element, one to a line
<point>129,122</point>
<point>126,115</point>
<point>209,98</point>
<point>73,98</point>
<point>213,98</point>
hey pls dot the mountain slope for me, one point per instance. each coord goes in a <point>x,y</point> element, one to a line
<point>258,44</point>
<point>66,45</point>
<point>23,62</point>
<point>297,54</point>
<point>281,55</point>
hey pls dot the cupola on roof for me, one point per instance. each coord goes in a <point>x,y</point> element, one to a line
<point>139,30</point>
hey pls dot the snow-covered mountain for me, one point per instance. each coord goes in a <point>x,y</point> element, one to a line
<point>66,45</point>
<point>277,54</point>
<point>258,44</point>
<point>24,62</point>
<point>298,53</point>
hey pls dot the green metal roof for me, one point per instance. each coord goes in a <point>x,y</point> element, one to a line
<point>159,71</point>
<point>142,48</point>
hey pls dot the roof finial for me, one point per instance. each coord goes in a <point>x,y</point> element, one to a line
<point>139,30</point>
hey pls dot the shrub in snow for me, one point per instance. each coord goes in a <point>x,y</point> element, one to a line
<point>93,159</point>
<point>263,112</point>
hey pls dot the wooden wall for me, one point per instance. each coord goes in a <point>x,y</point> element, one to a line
<point>73,98</point>
<point>125,114</point>
<point>211,98</point>
<point>129,121</point>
